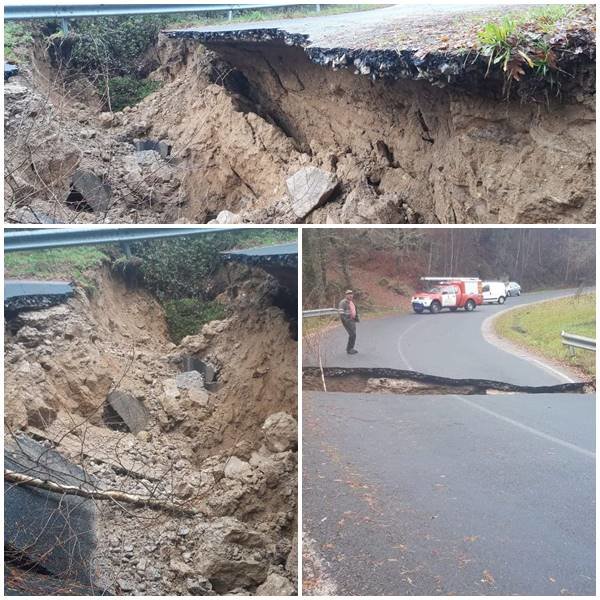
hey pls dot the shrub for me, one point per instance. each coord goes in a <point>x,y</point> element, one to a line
<point>15,37</point>
<point>113,45</point>
<point>127,91</point>
<point>187,315</point>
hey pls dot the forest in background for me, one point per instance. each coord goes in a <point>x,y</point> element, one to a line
<point>383,266</point>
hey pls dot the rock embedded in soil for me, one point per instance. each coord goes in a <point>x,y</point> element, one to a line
<point>226,217</point>
<point>280,432</point>
<point>237,469</point>
<point>94,191</point>
<point>130,409</point>
<point>190,380</point>
<point>275,585</point>
<point>309,188</point>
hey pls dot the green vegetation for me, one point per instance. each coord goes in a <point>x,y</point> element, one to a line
<point>180,272</point>
<point>110,45</point>
<point>56,263</point>
<point>538,327</point>
<point>268,14</point>
<point>16,36</point>
<point>126,91</point>
<point>520,41</point>
<point>179,268</point>
<point>187,316</point>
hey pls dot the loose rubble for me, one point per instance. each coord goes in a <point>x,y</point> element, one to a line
<point>230,454</point>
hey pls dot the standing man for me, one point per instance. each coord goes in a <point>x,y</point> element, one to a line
<point>349,318</point>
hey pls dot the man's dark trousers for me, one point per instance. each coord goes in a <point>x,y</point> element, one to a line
<point>350,327</point>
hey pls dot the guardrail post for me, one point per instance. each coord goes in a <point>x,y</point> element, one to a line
<point>64,25</point>
<point>230,15</point>
<point>318,7</point>
<point>572,341</point>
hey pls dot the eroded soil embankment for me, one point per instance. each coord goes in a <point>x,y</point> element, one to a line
<point>228,452</point>
<point>239,119</point>
<point>448,155</point>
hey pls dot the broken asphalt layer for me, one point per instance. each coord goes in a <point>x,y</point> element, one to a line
<point>279,260</point>
<point>406,42</point>
<point>449,344</point>
<point>54,532</point>
<point>451,495</point>
<point>34,295</point>
<point>363,377</point>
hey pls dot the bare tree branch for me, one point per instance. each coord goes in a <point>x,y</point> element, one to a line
<point>112,495</point>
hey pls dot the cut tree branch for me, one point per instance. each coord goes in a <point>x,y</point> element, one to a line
<point>114,495</point>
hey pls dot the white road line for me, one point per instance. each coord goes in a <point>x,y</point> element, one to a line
<point>531,430</point>
<point>491,337</point>
<point>403,358</point>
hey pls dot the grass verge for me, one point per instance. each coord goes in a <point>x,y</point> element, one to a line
<point>16,37</point>
<point>73,264</point>
<point>266,14</point>
<point>537,327</point>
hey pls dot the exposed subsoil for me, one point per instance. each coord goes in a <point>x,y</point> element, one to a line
<point>392,136</point>
<point>227,451</point>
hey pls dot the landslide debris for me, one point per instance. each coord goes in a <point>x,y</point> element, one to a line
<point>263,126</point>
<point>228,452</point>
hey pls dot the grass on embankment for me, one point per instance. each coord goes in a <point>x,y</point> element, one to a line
<point>537,327</point>
<point>273,14</point>
<point>73,264</point>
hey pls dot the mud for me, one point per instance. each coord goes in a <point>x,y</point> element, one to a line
<point>228,452</point>
<point>242,117</point>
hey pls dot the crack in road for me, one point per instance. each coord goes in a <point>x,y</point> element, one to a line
<point>376,380</point>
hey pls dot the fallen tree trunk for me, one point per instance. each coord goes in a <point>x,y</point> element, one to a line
<point>115,495</point>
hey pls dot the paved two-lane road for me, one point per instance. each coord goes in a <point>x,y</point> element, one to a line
<point>447,344</point>
<point>376,28</point>
<point>419,495</point>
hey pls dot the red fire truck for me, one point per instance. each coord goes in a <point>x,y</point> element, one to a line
<point>449,292</point>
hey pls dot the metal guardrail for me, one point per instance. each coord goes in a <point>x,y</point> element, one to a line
<point>35,239</point>
<point>65,11</point>
<point>577,341</point>
<point>320,312</point>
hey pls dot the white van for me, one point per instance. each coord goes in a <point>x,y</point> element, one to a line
<point>494,291</point>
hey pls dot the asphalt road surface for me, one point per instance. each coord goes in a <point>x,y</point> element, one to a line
<point>14,288</point>
<point>468,495</point>
<point>447,344</point>
<point>355,30</point>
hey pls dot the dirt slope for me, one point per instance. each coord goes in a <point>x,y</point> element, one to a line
<point>230,452</point>
<point>242,116</point>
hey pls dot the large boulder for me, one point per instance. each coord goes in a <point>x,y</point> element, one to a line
<point>190,380</point>
<point>230,554</point>
<point>92,189</point>
<point>308,188</point>
<point>128,409</point>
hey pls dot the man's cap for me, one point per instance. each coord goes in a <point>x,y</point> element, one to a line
<point>348,292</point>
